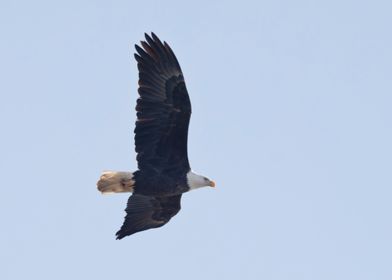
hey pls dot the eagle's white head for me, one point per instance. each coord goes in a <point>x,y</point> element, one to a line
<point>196,181</point>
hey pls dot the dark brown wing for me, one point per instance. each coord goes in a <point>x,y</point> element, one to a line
<point>163,109</point>
<point>146,212</point>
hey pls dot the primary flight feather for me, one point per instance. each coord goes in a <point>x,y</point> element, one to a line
<point>161,134</point>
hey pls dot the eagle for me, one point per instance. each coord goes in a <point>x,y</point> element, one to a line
<point>161,135</point>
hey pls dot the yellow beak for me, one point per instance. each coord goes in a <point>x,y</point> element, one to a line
<point>212,184</point>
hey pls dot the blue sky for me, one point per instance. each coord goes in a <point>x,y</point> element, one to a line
<point>291,118</point>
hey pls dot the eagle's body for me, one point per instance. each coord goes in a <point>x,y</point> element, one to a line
<point>161,134</point>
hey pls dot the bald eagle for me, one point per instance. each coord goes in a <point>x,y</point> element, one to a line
<point>161,133</point>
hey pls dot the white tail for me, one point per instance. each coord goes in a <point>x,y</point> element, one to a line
<point>115,182</point>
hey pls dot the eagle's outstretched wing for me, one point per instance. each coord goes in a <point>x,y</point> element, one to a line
<point>163,109</point>
<point>145,212</point>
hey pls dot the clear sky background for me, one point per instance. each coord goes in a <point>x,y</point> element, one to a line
<point>292,111</point>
